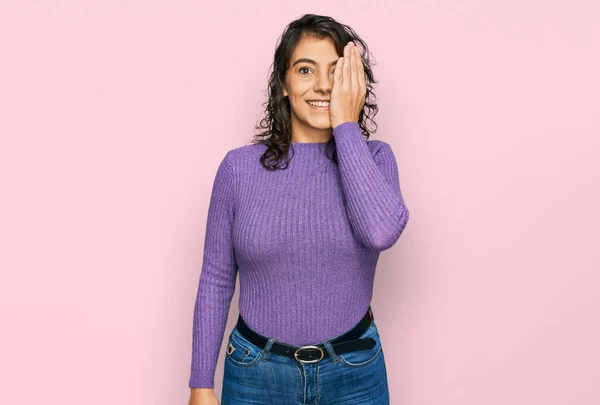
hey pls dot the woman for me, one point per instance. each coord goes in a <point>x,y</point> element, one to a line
<point>303,215</point>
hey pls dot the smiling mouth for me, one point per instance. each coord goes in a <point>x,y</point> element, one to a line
<point>322,107</point>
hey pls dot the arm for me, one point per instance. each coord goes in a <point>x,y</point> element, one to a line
<point>217,280</point>
<point>376,209</point>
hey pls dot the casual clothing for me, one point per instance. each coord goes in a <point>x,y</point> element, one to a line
<point>305,241</point>
<point>256,376</point>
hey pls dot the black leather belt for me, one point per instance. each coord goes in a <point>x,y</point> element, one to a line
<point>348,342</point>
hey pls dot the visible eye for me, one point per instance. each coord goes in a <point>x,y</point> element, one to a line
<point>304,67</point>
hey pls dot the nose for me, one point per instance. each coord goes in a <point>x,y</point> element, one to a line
<point>323,84</point>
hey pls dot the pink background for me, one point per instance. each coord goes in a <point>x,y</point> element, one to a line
<point>114,116</point>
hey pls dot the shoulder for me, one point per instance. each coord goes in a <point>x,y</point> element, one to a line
<point>250,149</point>
<point>242,156</point>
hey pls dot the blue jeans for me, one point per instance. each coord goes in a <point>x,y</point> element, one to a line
<point>258,376</point>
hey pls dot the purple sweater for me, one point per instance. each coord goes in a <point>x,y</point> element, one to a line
<point>305,240</point>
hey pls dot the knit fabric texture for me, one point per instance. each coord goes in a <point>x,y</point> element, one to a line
<point>305,241</point>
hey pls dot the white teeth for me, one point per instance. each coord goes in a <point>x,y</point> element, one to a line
<point>319,103</point>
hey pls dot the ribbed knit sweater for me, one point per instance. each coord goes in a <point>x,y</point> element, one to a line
<point>305,241</point>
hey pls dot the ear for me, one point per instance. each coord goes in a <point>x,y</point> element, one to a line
<point>285,93</point>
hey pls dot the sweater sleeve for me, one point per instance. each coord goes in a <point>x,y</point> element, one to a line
<point>371,184</point>
<point>217,280</point>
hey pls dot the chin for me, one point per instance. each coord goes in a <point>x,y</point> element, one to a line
<point>321,125</point>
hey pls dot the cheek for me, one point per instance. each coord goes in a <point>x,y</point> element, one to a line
<point>299,102</point>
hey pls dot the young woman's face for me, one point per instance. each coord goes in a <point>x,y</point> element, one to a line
<point>310,77</point>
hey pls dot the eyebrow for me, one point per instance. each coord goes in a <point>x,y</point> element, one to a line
<point>306,60</point>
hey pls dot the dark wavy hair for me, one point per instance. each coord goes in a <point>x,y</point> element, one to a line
<point>275,127</point>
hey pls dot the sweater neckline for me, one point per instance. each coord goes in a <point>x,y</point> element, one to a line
<point>307,144</point>
<point>308,151</point>
<point>308,147</point>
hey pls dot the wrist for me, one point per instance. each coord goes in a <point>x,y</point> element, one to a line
<point>337,124</point>
<point>201,391</point>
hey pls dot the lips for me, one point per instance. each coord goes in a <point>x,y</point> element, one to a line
<point>316,107</point>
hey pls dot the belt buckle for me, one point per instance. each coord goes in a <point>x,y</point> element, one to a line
<point>309,347</point>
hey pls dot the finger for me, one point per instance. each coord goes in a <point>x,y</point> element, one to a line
<point>337,75</point>
<point>354,69</point>
<point>361,73</point>
<point>346,81</point>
